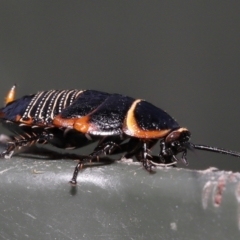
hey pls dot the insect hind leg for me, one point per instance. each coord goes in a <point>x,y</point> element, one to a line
<point>106,145</point>
<point>24,136</point>
<point>9,149</point>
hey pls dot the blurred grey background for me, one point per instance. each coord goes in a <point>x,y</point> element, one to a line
<point>183,56</point>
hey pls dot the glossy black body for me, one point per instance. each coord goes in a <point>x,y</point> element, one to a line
<point>31,118</point>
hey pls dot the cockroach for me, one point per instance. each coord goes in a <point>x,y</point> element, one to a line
<point>76,118</point>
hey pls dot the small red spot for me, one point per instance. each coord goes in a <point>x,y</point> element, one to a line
<point>218,193</point>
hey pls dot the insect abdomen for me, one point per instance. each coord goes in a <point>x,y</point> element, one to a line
<point>40,108</point>
<point>16,108</point>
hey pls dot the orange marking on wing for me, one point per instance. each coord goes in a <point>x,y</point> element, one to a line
<point>83,125</point>
<point>11,95</point>
<point>131,128</point>
<point>28,122</point>
<point>18,118</point>
<point>58,121</point>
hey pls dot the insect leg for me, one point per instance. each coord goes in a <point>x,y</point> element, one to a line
<point>12,145</point>
<point>79,166</point>
<point>106,146</point>
<point>23,140</point>
<point>150,161</point>
<point>147,164</point>
<point>9,150</point>
<point>168,154</point>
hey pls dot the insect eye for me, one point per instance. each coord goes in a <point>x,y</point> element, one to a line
<point>173,136</point>
<point>181,135</point>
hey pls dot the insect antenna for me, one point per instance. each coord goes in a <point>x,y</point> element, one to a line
<point>213,149</point>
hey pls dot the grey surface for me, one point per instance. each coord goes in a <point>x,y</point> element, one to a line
<point>118,201</point>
